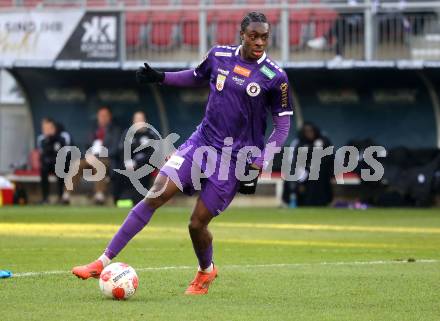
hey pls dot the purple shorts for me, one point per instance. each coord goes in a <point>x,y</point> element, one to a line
<point>191,172</point>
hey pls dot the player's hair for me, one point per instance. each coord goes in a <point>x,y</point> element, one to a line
<point>252,17</point>
<point>105,108</point>
<point>49,120</point>
<point>141,112</point>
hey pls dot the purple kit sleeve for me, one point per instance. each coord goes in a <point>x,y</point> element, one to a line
<point>279,135</point>
<point>193,77</point>
<point>280,98</point>
<point>185,78</point>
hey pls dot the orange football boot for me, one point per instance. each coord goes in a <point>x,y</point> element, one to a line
<point>201,282</point>
<point>92,270</point>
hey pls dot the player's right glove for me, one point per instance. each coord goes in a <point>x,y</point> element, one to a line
<point>146,75</point>
<point>248,187</point>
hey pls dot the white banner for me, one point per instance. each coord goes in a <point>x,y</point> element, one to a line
<point>35,36</point>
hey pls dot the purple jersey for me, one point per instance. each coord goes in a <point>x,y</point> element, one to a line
<point>241,95</point>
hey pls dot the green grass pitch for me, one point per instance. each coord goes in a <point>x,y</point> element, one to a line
<point>274,264</point>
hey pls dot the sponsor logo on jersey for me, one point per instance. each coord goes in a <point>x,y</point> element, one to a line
<point>242,71</point>
<point>238,81</point>
<point>220,82</point>
<point>284,100</point>
<point>253,89</point>
<point>223,54</point>
<point>269,73</point>
<point>223,71</point>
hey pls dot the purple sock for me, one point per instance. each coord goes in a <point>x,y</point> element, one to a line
<point>136,220</point>
<point>204,257</point>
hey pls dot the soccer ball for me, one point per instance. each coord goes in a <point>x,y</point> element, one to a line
<point>118,281</point>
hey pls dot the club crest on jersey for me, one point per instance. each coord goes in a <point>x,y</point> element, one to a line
<point>253,89</point>
<point>242,71</point>
<point>220,82</point>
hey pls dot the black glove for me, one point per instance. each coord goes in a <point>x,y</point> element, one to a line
<point>248,187</point>
<point>146,75</point>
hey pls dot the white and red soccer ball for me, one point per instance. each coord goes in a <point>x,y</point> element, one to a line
<point>118,281</point>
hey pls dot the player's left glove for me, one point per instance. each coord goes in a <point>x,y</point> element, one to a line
<point>146,75</point>
<point>249,187</point>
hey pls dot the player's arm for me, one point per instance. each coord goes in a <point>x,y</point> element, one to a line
<point>279,134</point>
<point>185,78</point>
<point>281,126</point>
<point>280,104</point>
<point>281,107</point>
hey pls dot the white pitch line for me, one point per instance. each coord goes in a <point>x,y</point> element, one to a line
<point>26,274</point>
<point>330,263</point>
<point>187,267</point>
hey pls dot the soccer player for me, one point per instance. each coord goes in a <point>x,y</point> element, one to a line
<point>245,85</point>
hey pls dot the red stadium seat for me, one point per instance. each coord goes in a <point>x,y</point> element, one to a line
<point>97,3</point>
<point>159,2</point>
<point>34,164</point>
<point>163,30</point>
<point>273,16</point>
<point>6,3</point>
<point>130,3</point>
<point>323,20</point>
<point>189,2</point>
<point>190,28</point>
<point>298,20</point>
<point>255,2</point>
<point>133,23</point>
<point>227,27</point>
<point>34,160</point>
<point>31,3</point>
<point>223,1</point>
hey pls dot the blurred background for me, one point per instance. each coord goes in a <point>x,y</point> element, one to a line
<point>362,73</point>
